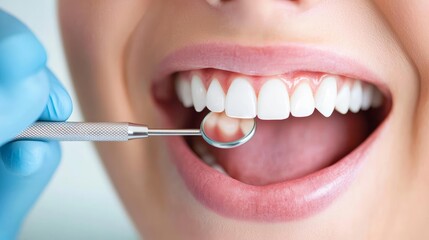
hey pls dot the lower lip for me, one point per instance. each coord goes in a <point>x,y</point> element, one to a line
<point>290,200</point>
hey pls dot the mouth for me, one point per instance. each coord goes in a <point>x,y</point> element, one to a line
<point>317,121</point>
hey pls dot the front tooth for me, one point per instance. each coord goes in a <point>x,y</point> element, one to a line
<point>326,96</point>
<point>198,93</point>
<point>367,92</point>
<point>240,100</point>
<point>356,97</point>
<point>302,101</point>
<point>215,97</point>
<point>183,90</point>
<point>342,103</point>
<point>273,101</point>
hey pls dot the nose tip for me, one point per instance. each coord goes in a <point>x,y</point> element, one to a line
<point>218,3</point>
<point>256,11</point>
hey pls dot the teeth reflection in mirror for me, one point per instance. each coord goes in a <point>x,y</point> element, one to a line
<point>367,92</point>
<point>273,101</point>
<point>246,125</point>
<point>183,91</point>
<point>356,97</point>
<point>215,97</point>
<point>302,101</point>
<point>326,96</point>
<point>198,93</point>
<point>240,100</point>
<point>228,127</point>
<point>211,122</point>
<point>343,99</point>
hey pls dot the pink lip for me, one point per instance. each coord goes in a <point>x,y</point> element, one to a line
<point>284,201</point>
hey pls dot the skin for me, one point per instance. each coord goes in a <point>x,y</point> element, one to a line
<point>114,46</point>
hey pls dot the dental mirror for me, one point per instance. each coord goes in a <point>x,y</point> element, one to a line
<point>217,129</point>
<point>222,131</point>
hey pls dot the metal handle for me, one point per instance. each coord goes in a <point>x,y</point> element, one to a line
<point>76,131</point>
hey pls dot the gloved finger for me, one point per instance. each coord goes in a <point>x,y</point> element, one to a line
<point>59,106</point>
<point>21,54</point>
<point>22,103</point>
<point>18,193</point>
<point>26,157</point>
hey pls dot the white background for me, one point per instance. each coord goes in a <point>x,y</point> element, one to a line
<point>79,202</point>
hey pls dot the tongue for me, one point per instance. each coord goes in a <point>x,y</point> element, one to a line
<point>284,150</point>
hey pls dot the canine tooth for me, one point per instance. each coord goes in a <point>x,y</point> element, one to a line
<point>273,101</point>
<point>240,100</point>
<point>302,101</point>
<point>326,96</point>
<point>377,99</point>
<point>228,126</point>
<point>215,97</point>
<point>367,93</point>
<point>183,90</point>
<point>342,103</point>
<point>219,168</point>
<point>356,97</point>
<point>198,93</point>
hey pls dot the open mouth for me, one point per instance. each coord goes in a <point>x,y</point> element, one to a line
<point>309,125</point>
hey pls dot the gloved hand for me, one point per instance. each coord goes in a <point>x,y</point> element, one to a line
<point>28,92</point>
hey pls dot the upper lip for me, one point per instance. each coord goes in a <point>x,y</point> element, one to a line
<point>282,201</point>
<point>265,61</point>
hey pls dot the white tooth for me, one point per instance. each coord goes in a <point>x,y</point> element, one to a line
<point>228,126</point>
<point>356,96</point>
<point>302,101</point>
<point>326,96</point>
<point>211,121</point>
<point>240,100</point>
<point>246,125</point>
<point>215,97</point>
<point>342,103</point>
<point>377,99</point>
<point>219,168</point>
<point>198,93</point>
<point>367,93</point>
<point>273,101</point>
<point>208,159</point>
<point>183,90</point>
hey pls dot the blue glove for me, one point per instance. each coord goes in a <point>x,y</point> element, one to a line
<point>28,92</point>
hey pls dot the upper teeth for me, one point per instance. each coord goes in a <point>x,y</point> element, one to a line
<point>274,100</point>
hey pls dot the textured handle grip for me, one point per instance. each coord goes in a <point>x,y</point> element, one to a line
<point>76,131</point>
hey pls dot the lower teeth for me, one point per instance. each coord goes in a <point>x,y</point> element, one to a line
<point>219,168</point>
<point>207,158</point>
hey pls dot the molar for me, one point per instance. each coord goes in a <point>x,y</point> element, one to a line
<point>356,96</point>
<point>183,91</point>
<point>198,93</point>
